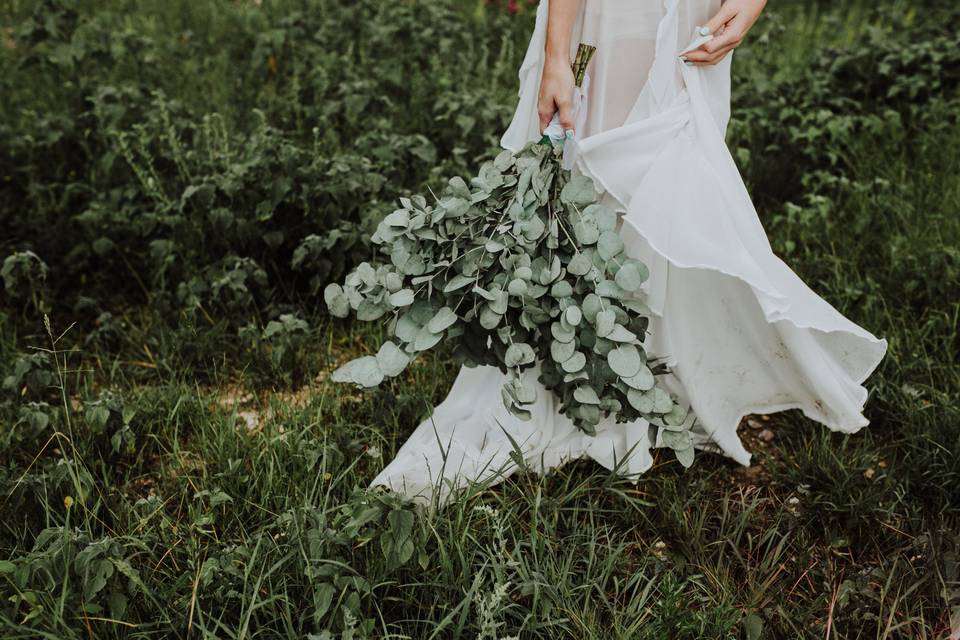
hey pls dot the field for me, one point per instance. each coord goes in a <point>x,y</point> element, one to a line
<point>178,182</point>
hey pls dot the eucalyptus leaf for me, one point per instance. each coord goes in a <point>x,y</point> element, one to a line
<point>402,298</point>
<point>625,361</point>
<point>519,353</point>
<point>391,359</point>
<point>526,393</point>
<point>606,321</point>
<point>458,281</point>
<point>677,440</point>
<point>580,265</point>
<point>609,245</point>
<point>640,401</point>
<point>642,381</point>
<point>586,395</point>
<point>685,456</point>
<point>562,351</point>
<point>363,371</point>
<point>443,319</point>
<point>574,363</point>
<point>586,231</point>
<point>629,277</point>
<point>336,300</point>
<point>579,191</point>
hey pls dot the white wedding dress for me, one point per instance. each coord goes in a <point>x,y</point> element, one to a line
<point>741,332</point>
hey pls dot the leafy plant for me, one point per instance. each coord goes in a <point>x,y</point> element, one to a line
<point>522,267</point>
<point>24,277</point>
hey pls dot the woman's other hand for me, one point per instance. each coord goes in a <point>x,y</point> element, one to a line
<point>730,26</point>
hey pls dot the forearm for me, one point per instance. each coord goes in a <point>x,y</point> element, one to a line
<point>560,21</point>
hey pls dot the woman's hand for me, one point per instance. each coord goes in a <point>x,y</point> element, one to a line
<point>729,27</point>
<point>556,93</point>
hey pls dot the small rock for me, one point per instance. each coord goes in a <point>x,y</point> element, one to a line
<point>766,435</point>
<point>869,473</point>
<point>250,419</point>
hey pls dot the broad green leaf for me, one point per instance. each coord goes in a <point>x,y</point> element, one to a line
<point>609,289</point>
<point>625,360</point>
<point>662,403</point>
<point>640,401</point>
<point>391,359</point>
<point>402,298</point>
<point>643,381</point>
<point>458,281</point>
<point>609,245</point>
<point>606,321</point>
<point>676,417</point>
<point>363,371</point>
<point>336,300</point>
<point>519,353</point>
<point>605,216</point>
<point>575,363</point>
<point>561,289</point>
<point>407,328</point>
<point>399,218</point>
<point>677,440</point>
<point>586,231</point>
<point>591,307</point>
<point>489,319</point>
<point>517,287</point>
<point>444,318</point>
<point>561,333</point>
<point>561,351</point>
<point>579,265</point>
<point>621,334</point>
<point>586,395</point>
<point>629,277</point>
<point>579,191</point>
<point>426,339</point>
<point>368,311</point>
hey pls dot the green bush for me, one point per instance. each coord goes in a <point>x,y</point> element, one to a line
<point>130,185</point>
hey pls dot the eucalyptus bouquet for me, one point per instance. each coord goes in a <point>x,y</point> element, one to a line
<point>521,267</point>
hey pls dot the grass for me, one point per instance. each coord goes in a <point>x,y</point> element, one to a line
<point>191,485</point>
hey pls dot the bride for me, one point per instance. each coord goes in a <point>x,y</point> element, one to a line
<point>741,332</point>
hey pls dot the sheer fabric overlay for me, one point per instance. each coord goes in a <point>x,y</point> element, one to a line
<point>743,334</point>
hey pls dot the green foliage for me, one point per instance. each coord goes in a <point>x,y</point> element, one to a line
<point>522,267</point>
<point>24,277</point>
<point>126,176</point>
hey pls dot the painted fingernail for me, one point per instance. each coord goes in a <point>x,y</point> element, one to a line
<point>704,31</point>
<point>569,134</point>
<point>683,58</point>
<point>688,63</point>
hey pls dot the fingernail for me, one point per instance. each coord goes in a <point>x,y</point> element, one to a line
<point>569,134</point>
<point>683,58</point>
<point>704,31</point>
<point>688,63</point>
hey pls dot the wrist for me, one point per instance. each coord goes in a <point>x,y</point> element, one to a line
<point>557,55</point>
